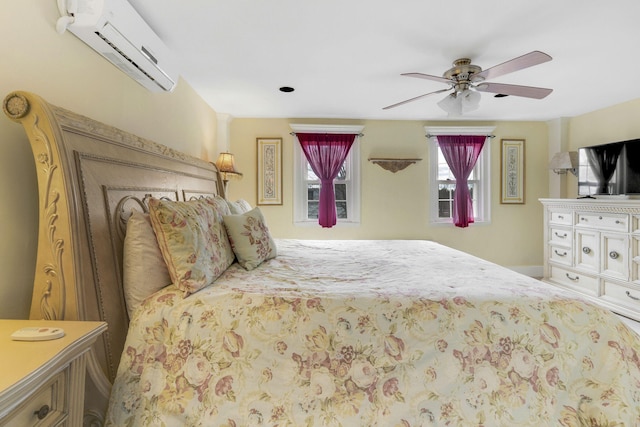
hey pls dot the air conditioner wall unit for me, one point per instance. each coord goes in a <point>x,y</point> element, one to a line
<point>116,31</point>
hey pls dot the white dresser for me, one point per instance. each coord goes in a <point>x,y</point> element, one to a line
<point>593,247</point>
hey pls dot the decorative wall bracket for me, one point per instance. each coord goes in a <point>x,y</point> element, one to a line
<point>393,165</point>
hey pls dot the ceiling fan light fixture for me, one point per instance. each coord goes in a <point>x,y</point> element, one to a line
<point>451,105</point>
<point>458,103</point>
<point>469,100</point>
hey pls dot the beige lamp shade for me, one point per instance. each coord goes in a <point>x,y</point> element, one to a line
<point>565,161</point>
<point>227,166</point>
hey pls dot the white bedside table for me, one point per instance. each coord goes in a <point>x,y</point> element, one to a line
<point>43,381</point>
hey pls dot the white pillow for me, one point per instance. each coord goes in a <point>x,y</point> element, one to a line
<point>144,269</point>
<point>238,207</point>
<point>244,205</point>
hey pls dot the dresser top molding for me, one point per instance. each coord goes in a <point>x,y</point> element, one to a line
<point>599,205</point>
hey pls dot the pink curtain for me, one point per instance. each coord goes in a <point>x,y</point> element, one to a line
<point>326,154</point>
<point>461,153</point>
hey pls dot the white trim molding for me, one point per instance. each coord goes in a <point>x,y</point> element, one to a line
<point>305,128</point>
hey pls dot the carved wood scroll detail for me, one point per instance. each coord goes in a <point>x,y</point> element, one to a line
<point>52,269</point>
<point>51,246</point>
<point>50,196</point>
<point>16,106</point>
<point>124,210</point>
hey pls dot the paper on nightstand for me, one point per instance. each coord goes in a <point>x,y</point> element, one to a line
<point>37,334</point>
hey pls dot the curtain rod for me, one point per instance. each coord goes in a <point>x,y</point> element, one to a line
<point>431,136</point>
<point>329,133</point>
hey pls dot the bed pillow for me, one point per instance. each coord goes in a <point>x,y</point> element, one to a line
<point>144,270</point>
<point>246,207</point>
<point>250,238</point>
<point>220,204</point>
<point>193,242</point>
<point>238,207</point>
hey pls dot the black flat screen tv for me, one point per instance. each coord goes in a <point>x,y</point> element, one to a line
<point>611,169</point>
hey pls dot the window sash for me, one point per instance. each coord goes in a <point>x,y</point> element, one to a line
<point>445,204</point>
<point>341,188</point>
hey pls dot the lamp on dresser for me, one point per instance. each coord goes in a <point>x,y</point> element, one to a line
<point>227,167</point>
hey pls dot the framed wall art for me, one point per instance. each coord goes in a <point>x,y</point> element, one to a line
<point>512,171</point>
<point>269,171</point>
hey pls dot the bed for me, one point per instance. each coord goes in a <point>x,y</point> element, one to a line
<point>309,333</point>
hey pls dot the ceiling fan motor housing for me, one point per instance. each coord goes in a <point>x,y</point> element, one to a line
<point>462,72</point>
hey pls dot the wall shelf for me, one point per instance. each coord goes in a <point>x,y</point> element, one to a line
<point>393,165</point>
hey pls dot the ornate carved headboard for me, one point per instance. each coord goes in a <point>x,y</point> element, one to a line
<point>90,177</point>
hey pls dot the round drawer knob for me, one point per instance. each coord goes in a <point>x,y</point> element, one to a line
<point>586,250</point>
<point>42,412</point>
<point>613,255</point>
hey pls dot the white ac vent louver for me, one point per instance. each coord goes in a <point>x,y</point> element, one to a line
<point>116,31</point>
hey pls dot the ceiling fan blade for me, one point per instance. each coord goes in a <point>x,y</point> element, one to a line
<point>515,90</point>
<point>428,77</point>
<point>525,61</point>
<point>415,99</point>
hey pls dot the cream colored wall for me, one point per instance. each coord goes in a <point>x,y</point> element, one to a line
<point>394,206</point>
<point>617,123</point>
<point>67,73</point>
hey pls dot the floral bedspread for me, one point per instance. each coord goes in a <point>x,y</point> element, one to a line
<point>375,333</point>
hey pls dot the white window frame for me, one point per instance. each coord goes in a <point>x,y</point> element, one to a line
<point>483,171</point>
<point>300,202</point>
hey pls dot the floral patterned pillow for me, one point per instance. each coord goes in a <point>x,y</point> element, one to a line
<point>250,238</point>
<point>219,204</point>
<point>193,242</point>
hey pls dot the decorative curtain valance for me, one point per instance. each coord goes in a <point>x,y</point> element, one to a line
<point>326,152</point>
<point>461,153</point>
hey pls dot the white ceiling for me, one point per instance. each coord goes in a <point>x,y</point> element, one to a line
<point>344,57</point>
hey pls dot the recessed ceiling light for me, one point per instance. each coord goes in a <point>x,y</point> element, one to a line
<point>286,89</point>
<point>500,95</point>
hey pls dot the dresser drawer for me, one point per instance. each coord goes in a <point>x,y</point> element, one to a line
<point>560,236</point>
<point>615,222</point>
<point>561,255</point>
<point>576,281</point>
<point>46,407</point>
<point>622,295</point>
<point>561,217</point>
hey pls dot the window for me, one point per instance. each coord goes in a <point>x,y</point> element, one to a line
<point>340,189</point>
<point>306,186</point>
<point>442,183</point>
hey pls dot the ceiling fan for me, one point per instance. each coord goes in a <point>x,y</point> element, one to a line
<point>466,80</point>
